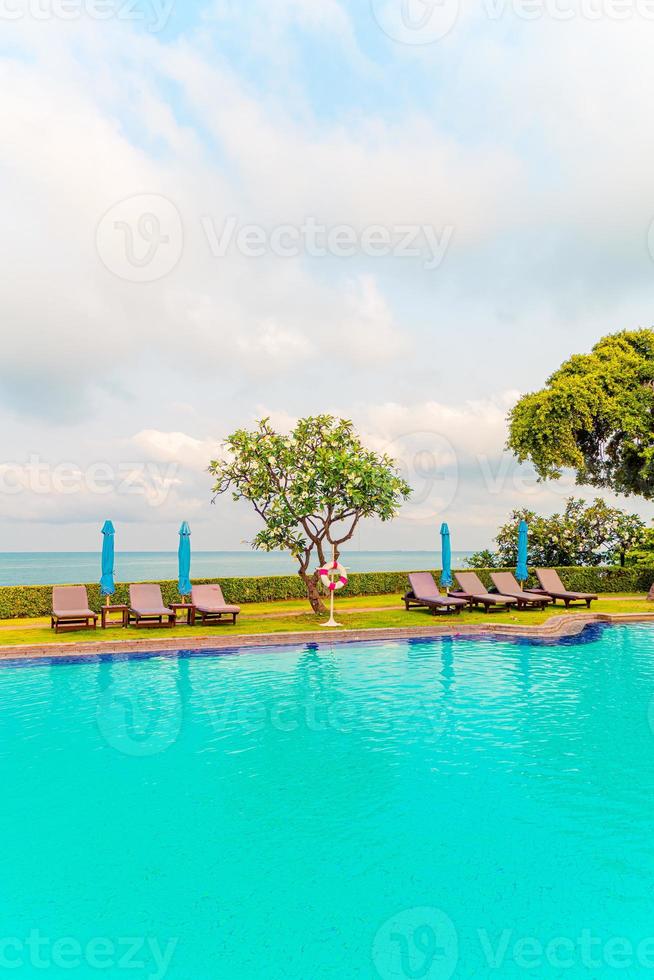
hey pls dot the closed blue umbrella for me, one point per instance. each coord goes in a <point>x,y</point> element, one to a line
<point>107,584</point>
<point>522,572</point>
<point>446,574</point>
<point>184,555</point>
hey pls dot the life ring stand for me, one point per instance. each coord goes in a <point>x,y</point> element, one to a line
<point>333,576</point>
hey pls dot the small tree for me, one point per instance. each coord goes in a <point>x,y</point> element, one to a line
<point>483,559</point>
<point>311,488</point>
<point>616,531</point>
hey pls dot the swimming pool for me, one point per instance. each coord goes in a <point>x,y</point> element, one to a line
<point>419,809</point>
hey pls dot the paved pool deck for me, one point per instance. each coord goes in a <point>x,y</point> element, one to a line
<point>569,624</point>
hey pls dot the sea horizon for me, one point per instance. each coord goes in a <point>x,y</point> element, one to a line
<point>71,567</point>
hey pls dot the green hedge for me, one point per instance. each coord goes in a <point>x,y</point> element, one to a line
<point>601,579</point>
<point>36,600</point>
<point>19,601</point>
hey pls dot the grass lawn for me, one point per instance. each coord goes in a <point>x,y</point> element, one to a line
<point>366,612</point>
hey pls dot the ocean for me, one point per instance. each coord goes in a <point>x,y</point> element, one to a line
<point>61,568</point>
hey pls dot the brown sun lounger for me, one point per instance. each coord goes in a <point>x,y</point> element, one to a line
<point>209,604</point>
<point>505,582</point>
<point>552,586</point>
<point>147,607</point>
<point>70,609</point>
<point>477,594</point>
<point>425,592</point>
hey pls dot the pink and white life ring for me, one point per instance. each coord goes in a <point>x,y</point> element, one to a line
<point>333,576</point>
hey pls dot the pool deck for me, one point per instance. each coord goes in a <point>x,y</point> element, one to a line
<point>557,626</point>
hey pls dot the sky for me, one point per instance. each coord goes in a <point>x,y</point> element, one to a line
<point>403,212</point>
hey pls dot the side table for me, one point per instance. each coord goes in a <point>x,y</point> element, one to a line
<point>105,614</point>
<point>184,607</point>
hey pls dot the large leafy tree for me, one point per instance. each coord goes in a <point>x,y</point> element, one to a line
<point>310,488</point>
<point>596,416</point>
<point>582,534</point>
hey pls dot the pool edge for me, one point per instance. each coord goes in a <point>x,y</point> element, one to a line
<point>557,627</point>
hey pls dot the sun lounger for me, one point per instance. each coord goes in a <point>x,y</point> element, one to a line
<point>147,607</point>
<point>505,582</point>
<point>551,585</point>
<point>424,592</point>
<point>209,604</point>
<point>70,609</point>
<point>477,594</point>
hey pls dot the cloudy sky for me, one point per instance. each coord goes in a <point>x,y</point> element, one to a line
<point>400,211</point>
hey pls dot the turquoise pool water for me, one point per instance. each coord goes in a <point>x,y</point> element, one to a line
<point>454,808</point>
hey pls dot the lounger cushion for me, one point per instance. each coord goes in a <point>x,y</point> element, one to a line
<point>550,581</point>
<point>75,614</point>
<point>495,600</point>
<point>216,609</point>
<point>160,611</point>
<point>507,585</point>
<point>474,587</point>
<point>425,590</point>
<point>210,599</point>
<point>146,600</point>
<point>70,601</point>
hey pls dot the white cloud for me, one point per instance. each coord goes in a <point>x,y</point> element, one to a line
<point>474,427</point>
<point>177,447</point>
<point>274,346</point>
<point>545,176</point>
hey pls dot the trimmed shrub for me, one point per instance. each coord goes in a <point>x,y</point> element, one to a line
<point>25,601</point>
<point>599,579</point>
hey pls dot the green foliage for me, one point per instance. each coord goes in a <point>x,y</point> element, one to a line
<point>27,601</point>
<point>603,579</point>
<point>584,534</point>
<point>310,488</point>
<point>33,601</point>
<point>483,559</point>
<point>643,553</point>
<point>594,416</point>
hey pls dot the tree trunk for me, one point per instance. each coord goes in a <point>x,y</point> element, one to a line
<point>313,593</point>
